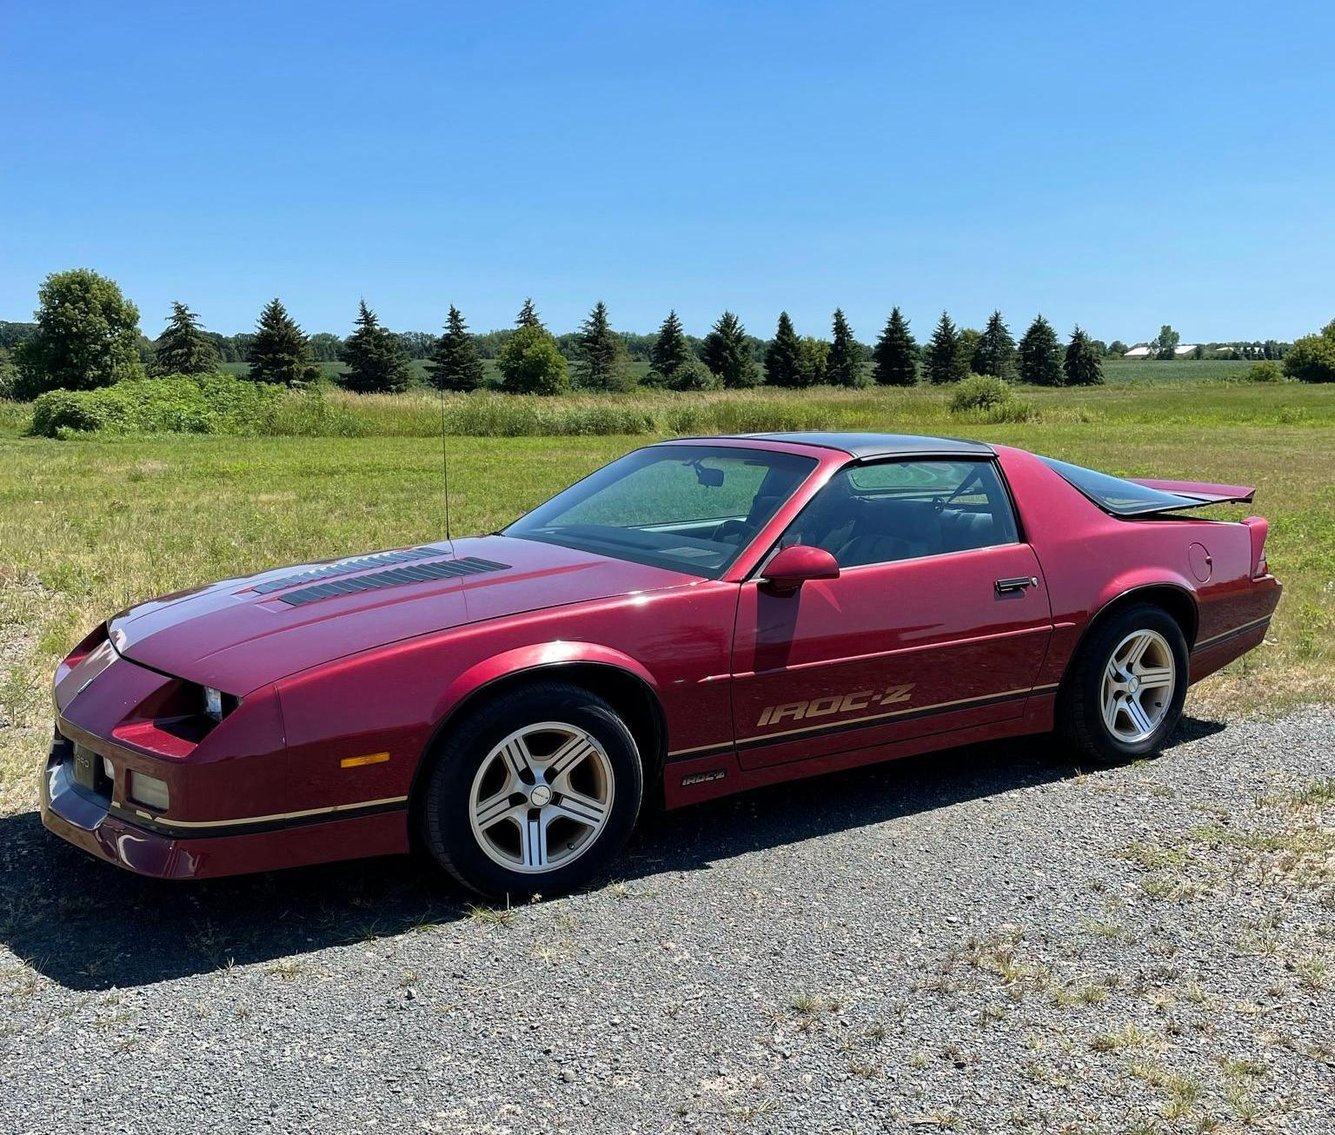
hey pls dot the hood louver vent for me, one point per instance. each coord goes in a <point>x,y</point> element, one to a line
<point>348,567</point>
<point>394,577</point>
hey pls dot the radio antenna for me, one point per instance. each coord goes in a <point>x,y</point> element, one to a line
<point>445,470</point>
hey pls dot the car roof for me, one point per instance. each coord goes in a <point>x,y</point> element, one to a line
<point>879,445</point>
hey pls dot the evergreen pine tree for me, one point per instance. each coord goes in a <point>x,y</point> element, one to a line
<point>943,360</point>
<point>995,352</point>
<point>528,316</point>
<point>1083,366</point>
<point>843,365</point>
<point>375,361</point>
<point>728,354</point>
<point>602,362</point>
<point>895,356</point>
<point>183,348</point>
<point>670,349</point>
<point>783,356</point>
<point>280,352</point>
<point>454,363</point>
<point>1041,355</point>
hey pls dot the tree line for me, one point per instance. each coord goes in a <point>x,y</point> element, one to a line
<point>86,334</point>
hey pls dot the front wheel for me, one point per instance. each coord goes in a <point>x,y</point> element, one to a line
<point>1124,693</point>
<point>534,793</point>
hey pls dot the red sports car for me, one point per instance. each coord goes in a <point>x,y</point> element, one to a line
<point>698,617</point>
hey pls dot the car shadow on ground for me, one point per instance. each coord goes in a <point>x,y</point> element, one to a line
<point>89,926</point>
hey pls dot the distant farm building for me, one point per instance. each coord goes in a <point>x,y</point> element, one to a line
<point>1145,351</point>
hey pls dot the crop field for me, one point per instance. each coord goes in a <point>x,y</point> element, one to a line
<point>90,526</point>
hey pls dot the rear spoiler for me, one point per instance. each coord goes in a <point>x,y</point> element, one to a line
<point>1200,491</point>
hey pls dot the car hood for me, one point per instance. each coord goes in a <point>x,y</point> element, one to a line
<point>240,634</point>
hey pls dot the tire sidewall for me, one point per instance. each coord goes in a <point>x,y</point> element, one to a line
<point>1088,729</point>
<point>445,822</point>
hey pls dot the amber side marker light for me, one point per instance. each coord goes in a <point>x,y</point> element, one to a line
<point>369,759</point>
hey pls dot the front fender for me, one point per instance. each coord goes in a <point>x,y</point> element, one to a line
<point>538,656</point>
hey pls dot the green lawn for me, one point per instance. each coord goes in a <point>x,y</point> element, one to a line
<point>89,526</point>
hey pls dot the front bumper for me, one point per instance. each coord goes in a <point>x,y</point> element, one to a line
<point>87,818</point>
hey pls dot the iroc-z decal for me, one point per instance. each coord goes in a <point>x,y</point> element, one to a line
<point>704,777</point>
<point>835,703</point>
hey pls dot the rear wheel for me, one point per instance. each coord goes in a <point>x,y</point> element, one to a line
<point>534,793</point>
<point>1123,695</point>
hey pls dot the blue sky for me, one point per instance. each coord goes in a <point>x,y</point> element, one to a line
<point>1121,165</point>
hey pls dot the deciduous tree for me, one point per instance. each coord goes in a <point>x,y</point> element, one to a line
<point>895,356</point>
<point>815,361</point>
<point>184,347</point>
<point>375,361</point>
<point>1312,358</point>
<point>7,374</point>
<point>1165,345</point>
<point>87,335</point>
<point>727,353</point>
<point>531,363</point>
<point>454,363</point>
<point>1041,355</point>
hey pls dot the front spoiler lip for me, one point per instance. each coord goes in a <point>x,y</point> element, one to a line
<point>88,823</point>
<point>155,847</point>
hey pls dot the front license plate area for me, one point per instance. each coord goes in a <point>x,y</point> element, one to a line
<point>85,768</point>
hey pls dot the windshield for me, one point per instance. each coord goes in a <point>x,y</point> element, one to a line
<point>691,508</point>
<point>1112,494</point>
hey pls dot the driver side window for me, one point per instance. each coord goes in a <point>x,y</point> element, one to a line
<point>901,510</point>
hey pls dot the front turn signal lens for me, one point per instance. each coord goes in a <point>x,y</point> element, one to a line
<point>148,791</point>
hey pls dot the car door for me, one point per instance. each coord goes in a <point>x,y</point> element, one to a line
<point>939,619</point>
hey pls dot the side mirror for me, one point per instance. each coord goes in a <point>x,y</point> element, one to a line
<point>796,564</point>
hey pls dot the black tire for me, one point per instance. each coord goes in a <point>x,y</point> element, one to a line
<point>1080,719</point>
<point>444,809</point>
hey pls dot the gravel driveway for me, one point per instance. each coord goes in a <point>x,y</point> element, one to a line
<point>982,940</point>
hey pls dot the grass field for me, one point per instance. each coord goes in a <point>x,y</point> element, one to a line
<point>90,526</point>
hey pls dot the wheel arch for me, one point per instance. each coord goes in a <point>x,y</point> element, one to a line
<point>609,674</point>
<point>1175,598</point>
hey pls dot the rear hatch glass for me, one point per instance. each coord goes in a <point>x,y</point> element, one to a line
<point>1121,497</point>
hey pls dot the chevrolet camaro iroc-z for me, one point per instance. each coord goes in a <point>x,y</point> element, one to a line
<point>696,618</point>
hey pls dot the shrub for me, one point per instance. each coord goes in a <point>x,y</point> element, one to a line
<point>980,392</point>
<point>986,398</point>
<point>693,375</point>
<point>1266,371</point>
<point>209,403</point>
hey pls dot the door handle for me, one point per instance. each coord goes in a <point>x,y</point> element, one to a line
<point>1018,583</point>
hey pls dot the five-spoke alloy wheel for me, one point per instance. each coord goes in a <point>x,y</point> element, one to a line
<point>1123,694</point>
<point>533,792</point>
<point>541,797</point>
<point>1138,685</point>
